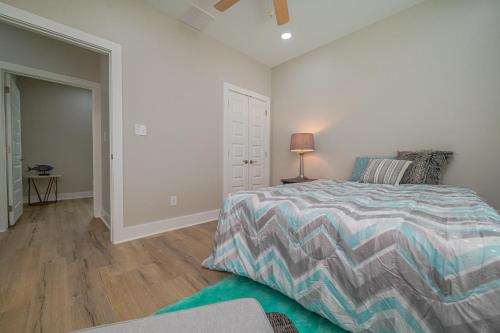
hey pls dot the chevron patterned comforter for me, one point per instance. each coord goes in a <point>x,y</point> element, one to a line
<point>374,258</point>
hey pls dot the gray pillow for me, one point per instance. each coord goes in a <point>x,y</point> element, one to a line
<point>427,168</point>
<point>384,171</point>
<point>360,166</point>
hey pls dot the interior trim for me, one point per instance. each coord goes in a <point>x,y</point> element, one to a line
<point>174,223</point>
<point>64,196</point>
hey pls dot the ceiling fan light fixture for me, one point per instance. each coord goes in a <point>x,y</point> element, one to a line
<point>286,35</point>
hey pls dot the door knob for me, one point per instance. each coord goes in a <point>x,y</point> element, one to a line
<point>252,161</point>
<point>245,161</point>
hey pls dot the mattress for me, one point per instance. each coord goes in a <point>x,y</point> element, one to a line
<point>375,258</point>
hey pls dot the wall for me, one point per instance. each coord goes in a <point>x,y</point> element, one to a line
<point>105,148</point>
<point>56,129</point>
<point>33,50</point>
<point>428,77</point>
<point>172,82</point>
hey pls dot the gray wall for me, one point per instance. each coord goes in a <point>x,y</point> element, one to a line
<point>33,50</point>
<point>428,77</point>
<point>172,82</point>
<point>105,148</point>
<point>56,124</point>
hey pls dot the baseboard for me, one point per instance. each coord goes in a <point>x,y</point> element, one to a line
<point>63,196</point>
<point>152,228</point>
<point>105,218</point>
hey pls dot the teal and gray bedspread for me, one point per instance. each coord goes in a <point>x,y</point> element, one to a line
<point>374,258</point>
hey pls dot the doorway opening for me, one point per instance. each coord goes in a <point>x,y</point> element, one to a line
<point>112,53</point>
<point>54,140</point>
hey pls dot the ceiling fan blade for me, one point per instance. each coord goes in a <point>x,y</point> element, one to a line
<point>224,4</point>
<point>281,11</point>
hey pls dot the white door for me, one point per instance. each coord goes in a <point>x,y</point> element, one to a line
<point>246,142</point>
<point>237,132</point>
<point>14,153</point>
<point>257,113</point>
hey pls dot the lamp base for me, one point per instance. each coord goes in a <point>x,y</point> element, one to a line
<point>301,167</point>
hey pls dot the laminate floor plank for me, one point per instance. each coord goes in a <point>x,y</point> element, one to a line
<point>60,272</point>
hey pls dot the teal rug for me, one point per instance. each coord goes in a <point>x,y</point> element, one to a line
<point>272,301</point>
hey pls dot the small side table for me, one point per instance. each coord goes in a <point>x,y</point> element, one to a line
<point>51,187</point>
<point>296,180</point>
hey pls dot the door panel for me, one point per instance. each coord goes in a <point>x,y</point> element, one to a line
<point>14,150</point>
<point>238,138</point>
<point>257,143</point>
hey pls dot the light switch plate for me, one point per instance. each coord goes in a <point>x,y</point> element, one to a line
<point>140,129</point>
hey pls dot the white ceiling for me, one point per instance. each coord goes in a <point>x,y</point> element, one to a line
<point>248,26</point>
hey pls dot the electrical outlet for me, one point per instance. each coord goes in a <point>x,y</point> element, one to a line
<point>173,200</point>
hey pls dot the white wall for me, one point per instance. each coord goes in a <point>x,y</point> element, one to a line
<point>172,82</point>
<point>428,77</point>
<point>56,129</point>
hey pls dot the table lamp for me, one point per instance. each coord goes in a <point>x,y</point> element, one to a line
<point>302,143</point>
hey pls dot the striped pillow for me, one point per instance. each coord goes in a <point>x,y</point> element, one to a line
<point>385,171</point>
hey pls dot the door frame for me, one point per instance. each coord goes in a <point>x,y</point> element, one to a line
<point>56,30</point>
<point>228,87</point>
<point>94,87</point>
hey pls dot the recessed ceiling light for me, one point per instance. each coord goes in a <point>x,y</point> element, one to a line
<point>286,35</point>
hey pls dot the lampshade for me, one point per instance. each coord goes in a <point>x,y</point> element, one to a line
<point>302,143</point>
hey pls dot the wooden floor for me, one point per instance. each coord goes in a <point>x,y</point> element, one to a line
<point>59,271</point>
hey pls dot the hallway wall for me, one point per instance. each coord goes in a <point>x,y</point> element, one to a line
<point>56,129</point>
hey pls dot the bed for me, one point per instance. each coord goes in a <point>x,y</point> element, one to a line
<point>374,258</point>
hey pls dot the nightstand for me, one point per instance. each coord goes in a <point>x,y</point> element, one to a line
<point>296,180</point>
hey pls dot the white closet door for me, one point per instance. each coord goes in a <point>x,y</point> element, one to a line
<point>14,157</point>
<point>238,141</point>
<point>257,143</point>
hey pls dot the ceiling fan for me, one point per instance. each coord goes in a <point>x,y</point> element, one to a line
<point>280,9</point>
